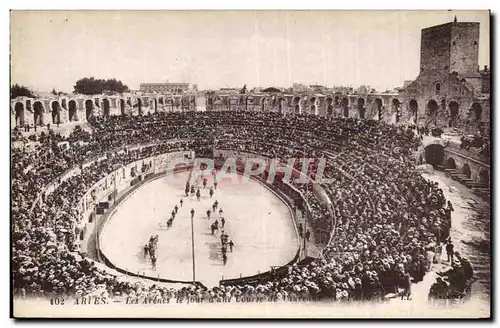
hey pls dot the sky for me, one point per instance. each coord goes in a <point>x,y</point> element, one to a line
<point>214,49</point>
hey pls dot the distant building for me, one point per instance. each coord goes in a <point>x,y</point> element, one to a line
<point>450,90</point>
<point>230,90</point>
<point>175,88</point>
<point>297,87</point>
<point>318,88</point>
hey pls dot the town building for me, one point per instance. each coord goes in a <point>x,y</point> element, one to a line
<point>173,88</point>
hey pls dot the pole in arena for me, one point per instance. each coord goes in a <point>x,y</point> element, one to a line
<point>192,249</point>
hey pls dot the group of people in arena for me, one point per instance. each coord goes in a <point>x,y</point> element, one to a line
<point>384,219</point>
<point>150,249</point>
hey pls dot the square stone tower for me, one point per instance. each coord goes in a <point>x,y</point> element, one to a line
<point>450,47</point>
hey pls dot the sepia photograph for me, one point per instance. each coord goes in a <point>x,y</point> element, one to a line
<point>250,164</point>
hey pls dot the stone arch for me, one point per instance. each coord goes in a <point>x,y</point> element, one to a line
<point>454,110</point>
<point>345,106</point>
<point>105,107</point>
<point>336,101</point>
<point>437,87</point>
<point>477,111</point>
<point>248,99</point>
<point>313,108</point>
<point>396,104</point>
<point>432,108</point>
<point>361,108</point>
<point>378,108</point>
<point>329,106</point>
<point>431,113</point>
<point>122,106</point>
<point>434,154</point>
<point>443,104</point>
<point>466,170</point>
<point>281,105</point>
<point>38,111</point>
<point>56,112</point>
<point>296,105</point>
<point>484,176</point>
<point>72,111</point>
<point>413,105</point>
<point>450,164</point>
<point>139,106</point>
<point>89,108</point>
<point>160,101</point>
<point>19,113</point>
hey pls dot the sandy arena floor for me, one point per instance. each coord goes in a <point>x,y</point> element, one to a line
<point>257,221</point>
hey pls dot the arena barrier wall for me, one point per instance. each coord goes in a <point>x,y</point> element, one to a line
<point>102,223</point>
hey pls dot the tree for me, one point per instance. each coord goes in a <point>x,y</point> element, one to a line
<point>20,91</point>
<point>92,86</point>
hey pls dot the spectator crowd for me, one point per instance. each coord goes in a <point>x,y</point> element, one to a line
<point>383,220</point>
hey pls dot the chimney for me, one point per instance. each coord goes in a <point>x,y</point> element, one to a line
<point>486,68</point>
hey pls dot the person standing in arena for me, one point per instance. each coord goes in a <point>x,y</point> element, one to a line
<point>223,222</point>
<point>215,183</point>
<point>198,194</point>
<point>153,262</point>
<point>220,212</point>
<point>211,192</point>
<point>224,258</point>
<point>231,245</point>
<point>182,202</point>
<point>204,183</point>
<point>208,214</point>
<point>146,250</point>
<point>450,251</point>
<point>176,209</point>
<point>173,214</point>
<point>214,206</point>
